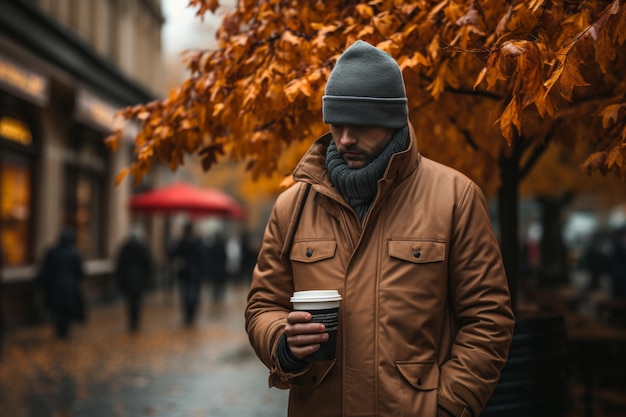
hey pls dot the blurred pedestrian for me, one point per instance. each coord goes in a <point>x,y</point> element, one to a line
<point>248,259</point>
<point>190,255</point>
<point>617,263</point>
<point>135,274</point>
<point>60,277</point>
<point>595,260</point>
<point>216,266</point>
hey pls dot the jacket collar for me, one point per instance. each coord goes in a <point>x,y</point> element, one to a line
<point>312,166</point>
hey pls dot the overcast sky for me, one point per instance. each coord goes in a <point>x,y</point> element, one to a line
<point>184,30</point>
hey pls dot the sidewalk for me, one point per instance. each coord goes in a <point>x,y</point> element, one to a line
<point>208,370</point>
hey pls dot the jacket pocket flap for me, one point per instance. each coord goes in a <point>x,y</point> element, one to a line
<point>417,251</point>
<point>314,375</point>
<point>313,251</point>
<point>423,376</point>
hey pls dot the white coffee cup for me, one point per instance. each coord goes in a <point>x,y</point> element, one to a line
<point>315,299</point>
<point>324,308</point>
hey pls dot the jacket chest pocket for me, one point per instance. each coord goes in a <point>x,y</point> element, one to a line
<point>417,251</point>
<point>412,261</point>
<point>315,265</point>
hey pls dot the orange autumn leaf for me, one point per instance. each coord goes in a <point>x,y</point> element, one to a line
<point>510,119</point>
<point>611,113</point>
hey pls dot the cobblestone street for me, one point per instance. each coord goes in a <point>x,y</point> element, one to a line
<point>207,370</point>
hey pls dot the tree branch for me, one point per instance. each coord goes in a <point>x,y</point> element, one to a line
<point>534,157</point>
<point>469,138</point>
<point>479,93</point>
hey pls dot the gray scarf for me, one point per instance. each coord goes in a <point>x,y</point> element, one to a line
<point>359,186</point>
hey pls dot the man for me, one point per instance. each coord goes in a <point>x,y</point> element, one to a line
<point>190,253</point>
<point>60,278</point>
<point>216,265</point>
<point>425,319</point>
<point>617,263</point>
<point>134,271</point>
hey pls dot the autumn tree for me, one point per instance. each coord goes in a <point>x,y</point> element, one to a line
<point>491,85</point>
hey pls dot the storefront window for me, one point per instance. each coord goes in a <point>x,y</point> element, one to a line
<point>85,192</point>
<point>15,208</point>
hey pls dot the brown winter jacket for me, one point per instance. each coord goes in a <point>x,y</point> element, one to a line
<point>425,318</point>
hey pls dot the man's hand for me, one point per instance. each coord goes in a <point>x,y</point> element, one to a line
<point>304,337</point>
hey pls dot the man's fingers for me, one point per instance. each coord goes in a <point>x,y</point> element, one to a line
<point>302,352</point>
<point>299,317</point>
<point>299,322</point>
<point>307,339</point>
<point>304,337</point>
<point>304,328</point>
<point>305,344</point>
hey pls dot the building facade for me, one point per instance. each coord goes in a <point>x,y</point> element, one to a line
<point>66,67</point>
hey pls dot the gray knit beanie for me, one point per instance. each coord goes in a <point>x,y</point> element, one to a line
<point>365,88</point>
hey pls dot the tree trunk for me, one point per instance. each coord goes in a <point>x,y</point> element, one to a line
<point>553,265</point>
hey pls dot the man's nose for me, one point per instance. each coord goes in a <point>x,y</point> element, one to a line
<point>347,137</point>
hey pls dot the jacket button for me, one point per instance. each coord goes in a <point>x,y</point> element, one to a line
<point>309,253</point>
<point>416,253</point>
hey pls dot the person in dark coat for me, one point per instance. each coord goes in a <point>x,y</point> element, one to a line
<point>596,261</point>
<point>190,253</point>
<point>134,272</point>
<point>617,263</point>
<point>248,259</point>
<point>60,277</point>
<point>217,272</point>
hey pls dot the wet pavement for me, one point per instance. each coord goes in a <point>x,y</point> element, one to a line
<point>208,370</point>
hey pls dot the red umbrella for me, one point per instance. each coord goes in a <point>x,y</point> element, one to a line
<point>183,197</point>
